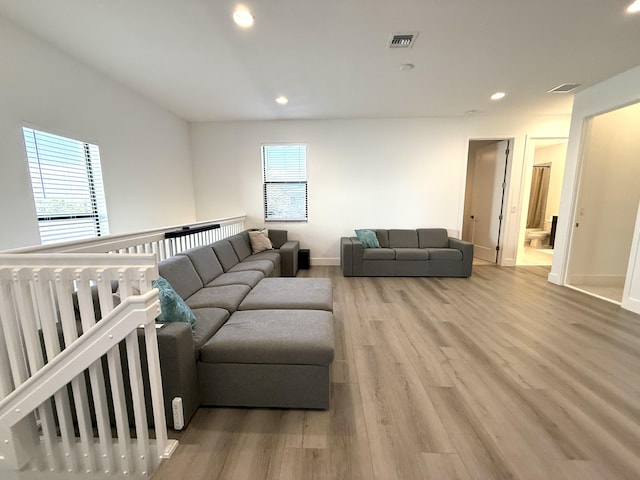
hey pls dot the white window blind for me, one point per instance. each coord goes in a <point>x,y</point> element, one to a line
<point>285,182</point>
<point>66,179</point>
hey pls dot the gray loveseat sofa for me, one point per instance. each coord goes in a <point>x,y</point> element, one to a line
<point>258,340</point>
<point>412,253</point>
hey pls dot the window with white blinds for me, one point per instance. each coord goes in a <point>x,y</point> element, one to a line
<point>285,182</point>
<point>66,179</point>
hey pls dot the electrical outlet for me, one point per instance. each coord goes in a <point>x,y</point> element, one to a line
<point>178,413</point>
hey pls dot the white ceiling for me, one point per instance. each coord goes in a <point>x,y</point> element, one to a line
<point>329,57</point>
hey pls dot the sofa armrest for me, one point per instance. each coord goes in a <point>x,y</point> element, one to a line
<point>289,258</point>
<point>346,256</point>
<point>351,252</point>
<point>178,368</point>
<point>467,253</point>
<point>465,247</point>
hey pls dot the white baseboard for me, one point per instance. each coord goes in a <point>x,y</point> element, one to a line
<point>554,278</point>
<point>597,280</point>
<point>632,304</point>
<point>508,262</point>
<point>325,262</point>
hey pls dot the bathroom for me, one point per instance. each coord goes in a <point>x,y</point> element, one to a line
<point>541,208</point>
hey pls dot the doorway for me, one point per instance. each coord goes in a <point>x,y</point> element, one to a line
<point>606,204</point>
<point>543,172</point>
<point>485,193</point>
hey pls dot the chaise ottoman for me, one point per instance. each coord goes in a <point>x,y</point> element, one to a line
<point>290,293</point>
<point>270,358</point>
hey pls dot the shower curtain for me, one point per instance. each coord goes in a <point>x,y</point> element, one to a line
<point>538,196</point>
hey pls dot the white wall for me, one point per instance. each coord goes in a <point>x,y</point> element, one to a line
<point>145,154</point>
<point>380,173</point>
<point>618,91</point>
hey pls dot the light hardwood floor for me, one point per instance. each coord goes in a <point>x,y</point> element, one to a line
<point>536,256</point>
<point>499,376</point>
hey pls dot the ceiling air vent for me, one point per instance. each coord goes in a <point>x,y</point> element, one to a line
<point>565,88</point>
<point>402,40</point>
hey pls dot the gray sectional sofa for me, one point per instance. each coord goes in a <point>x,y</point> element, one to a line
<point>423,252</point>
<point>258,340</point>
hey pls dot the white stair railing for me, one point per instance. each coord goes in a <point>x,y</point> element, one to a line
<point>164,242</point>
<point>65,404</point>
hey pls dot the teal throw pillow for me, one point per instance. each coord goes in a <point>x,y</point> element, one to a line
<point>171,304</point>
<point>368,238</point>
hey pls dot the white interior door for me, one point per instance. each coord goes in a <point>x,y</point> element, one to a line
<point>487,198</point>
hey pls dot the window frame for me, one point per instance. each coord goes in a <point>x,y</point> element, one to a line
<point>39,153</point>
<point>270,218</point>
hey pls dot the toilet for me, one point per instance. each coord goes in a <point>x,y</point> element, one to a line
<point>537,237</point>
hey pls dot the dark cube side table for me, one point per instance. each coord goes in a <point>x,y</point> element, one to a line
<point>304,259</point>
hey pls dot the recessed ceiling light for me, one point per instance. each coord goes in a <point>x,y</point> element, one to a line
<point>243,17</point>
<point>407,66</point>
<point>498,95</point>
<point>282,100</point>
<point>634,7</point>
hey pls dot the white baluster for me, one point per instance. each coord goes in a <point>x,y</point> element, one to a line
<point>64,291</point>
<point>116,377</point>
<point>35,359</point>
<point>96,373</point>
<point>52,348</point>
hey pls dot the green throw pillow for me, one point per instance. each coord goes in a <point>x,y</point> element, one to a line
<point>171,304</point>
<point>368,238</point>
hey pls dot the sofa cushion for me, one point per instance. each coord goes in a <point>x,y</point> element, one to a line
<point>226,296</point>
<point>241,244</point>
<point>272,255</point>
<point>226,254</point>
<point>286,337</point>
<point>208,322</point>
<point>368,238</point>
<point>172,307</point>
<point>249,277</point>
<point>290,293</point>
<point>205,262</point>
<point>412,254</point>
<point>264,266</point>
<point>403,238</point>
<point>383,237</point>
<point>259,241</point>
<point>181,274</point>
<point>433,238</point>
<point>379,254</point>
<point>436,254</point>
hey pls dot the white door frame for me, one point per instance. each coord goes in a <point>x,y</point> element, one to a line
<point>525,188</point>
